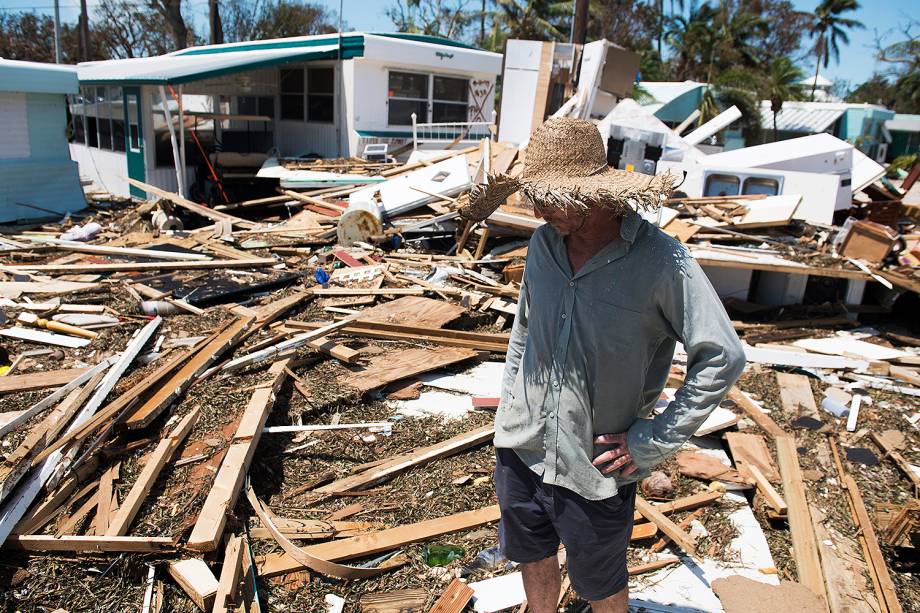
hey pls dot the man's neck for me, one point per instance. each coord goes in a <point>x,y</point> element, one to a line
<point>594,236</point>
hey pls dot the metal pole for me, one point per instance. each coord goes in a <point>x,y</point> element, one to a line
<point>57,31</point>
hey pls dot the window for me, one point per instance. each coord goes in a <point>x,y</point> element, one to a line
<point>722,185</point>
<point>134,126</point>
<point>754,185</point>
<point>321,94</point>
<point>78,119</point>
<point>450,99</point>
<point>104,115</point>
<point>89,105</point>
<point>407,94</point>
<point>292,93</point>
<point>117,102</point>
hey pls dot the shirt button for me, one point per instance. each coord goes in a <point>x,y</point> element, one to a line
<point>551,415</point>
<point>571,284</point>
<point>555,384</point>
<point>563,316</point>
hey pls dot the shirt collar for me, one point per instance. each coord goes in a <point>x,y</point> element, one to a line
<point>630,225</point>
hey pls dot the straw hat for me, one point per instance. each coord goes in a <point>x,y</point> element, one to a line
<point>566,164</point>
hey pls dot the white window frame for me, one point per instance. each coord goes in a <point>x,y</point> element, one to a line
<point>430,101</point>
<point>305,68</point>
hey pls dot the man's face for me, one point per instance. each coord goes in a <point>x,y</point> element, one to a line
<point>565,221</point>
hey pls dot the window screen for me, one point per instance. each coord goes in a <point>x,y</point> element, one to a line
<point>321,94</point>
<point>134,128</point>
<point>407,94</point>
<point>292,93</point>
<point>722,185</point>
<point>117,102</point>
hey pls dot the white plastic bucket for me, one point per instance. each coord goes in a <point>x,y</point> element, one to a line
<point>361,220</point>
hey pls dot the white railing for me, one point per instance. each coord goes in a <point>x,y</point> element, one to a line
<point>449,130</point>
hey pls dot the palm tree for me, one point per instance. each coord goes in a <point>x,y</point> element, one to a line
<point>829,27</point>
<point>781,82</point>
<point>531,19</point>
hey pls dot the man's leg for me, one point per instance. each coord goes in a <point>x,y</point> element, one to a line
<point>542,583</point>
<point>618,603</point>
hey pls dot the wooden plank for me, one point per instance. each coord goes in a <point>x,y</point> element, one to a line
<point>454,599</point>
<point>127,544</point>
<point>844,570</point>
<point>357,291</point>
<point>148,475</point>
<point>44,338</point>
<point>39,380</point>
<point>544,77</point>
<point>182,379</point>
<point>686,503</point>
<point>229,584</point>
<point>876,557</point>
<point>680,538</point>
<point>770,494</point>
<point>795,394</point>
<point>755,412</point>
<point>650,566</point>
<point>751,450</point>
<point>153,254</point>
<point>396,365</point>
<point>405,461</point>
<point>457,338</point>
<point>142,266</point>
<point>196,580</point>
<point>415,311</point>
<point>378,542</point>
<point>70,524</point>
<point>398,601</point>
<point>804,543</point>
<point>226,487</point>
<point>191,206</point>
<point>898,459</point>
<point>104,499</point>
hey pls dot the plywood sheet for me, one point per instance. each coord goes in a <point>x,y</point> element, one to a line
<point>751,449</point>
<point>395,365</point>
<point>414,310</point>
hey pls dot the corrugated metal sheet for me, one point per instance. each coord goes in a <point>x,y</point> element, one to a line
<point>809,118</point>
<point>15,126</point>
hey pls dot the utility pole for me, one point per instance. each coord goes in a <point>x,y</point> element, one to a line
<point>57,32</point>
<point>580,22</point>
<point>217,28</point>
<point>83,26</point>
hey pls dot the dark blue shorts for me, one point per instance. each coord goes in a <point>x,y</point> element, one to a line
<point>536,517</point>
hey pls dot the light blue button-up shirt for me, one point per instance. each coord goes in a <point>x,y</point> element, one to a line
<point>590,353</point>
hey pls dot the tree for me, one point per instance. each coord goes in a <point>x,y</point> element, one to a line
<point>254,20</point>
<point>30,37</point>
<point>782,82</point>
<point>904,58</point>
<point>445,18</point>
<point>530,20</point>
<point>125,30</point>
<point>171,12</point>
<point>829,27</point>
<point>631,24</point>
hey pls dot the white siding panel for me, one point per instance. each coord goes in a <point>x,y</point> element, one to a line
<point>14,123</point>
<point>296,138</point>
<point>106,170</point>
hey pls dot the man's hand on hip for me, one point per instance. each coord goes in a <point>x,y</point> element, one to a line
<point>617,458</point>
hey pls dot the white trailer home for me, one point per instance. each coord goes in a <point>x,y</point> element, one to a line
<point>183,120</point>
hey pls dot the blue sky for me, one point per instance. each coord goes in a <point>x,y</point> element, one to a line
<point>857,60</point>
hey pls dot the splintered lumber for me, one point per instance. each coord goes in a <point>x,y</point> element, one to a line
<point>393,366</point>
<point>654,565</point>
<point>358,291</point>
<point>804,543</point>
<point>454,599</point>
<point>127,544</point>
<point>68,269</point>
<point>770,494</point>
<point>399,601</point>
<point>196,580</point>
<point>191,206</point>
<point>229,584</point>
<point>226,487</point>
<point>680,538</point>
<point>115,408</point>
<point>755,412</point>
<point>751,450</point>
<point>898,459</point>
<point>45,338</point>
<point>54,397</point>
<point>415,311</point>
<point>119,524</point>
<point>13,289</point>
<point>183,378</point>
<point>378,542</point>
<point>153,254</point>
<point>687,503</point>
<point>876,558</point>
<point>51,469</point>
<point>405,461</point>
<point>39,380</point>
<point>795,394</point>
<point>453,338</point>
<point>104,498</point>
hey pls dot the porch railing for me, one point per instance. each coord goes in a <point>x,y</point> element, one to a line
<point>450,130</point>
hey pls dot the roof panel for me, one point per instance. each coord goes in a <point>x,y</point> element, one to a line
<point>38,78</point>
<point>809,119</point>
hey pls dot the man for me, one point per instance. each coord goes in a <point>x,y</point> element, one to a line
<point>604,299</point>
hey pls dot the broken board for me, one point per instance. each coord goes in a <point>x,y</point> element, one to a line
<point>393,366</point>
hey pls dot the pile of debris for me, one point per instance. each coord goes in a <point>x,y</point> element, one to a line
<point>291,409</point>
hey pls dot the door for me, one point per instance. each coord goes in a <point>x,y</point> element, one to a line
<point>135,138</point>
